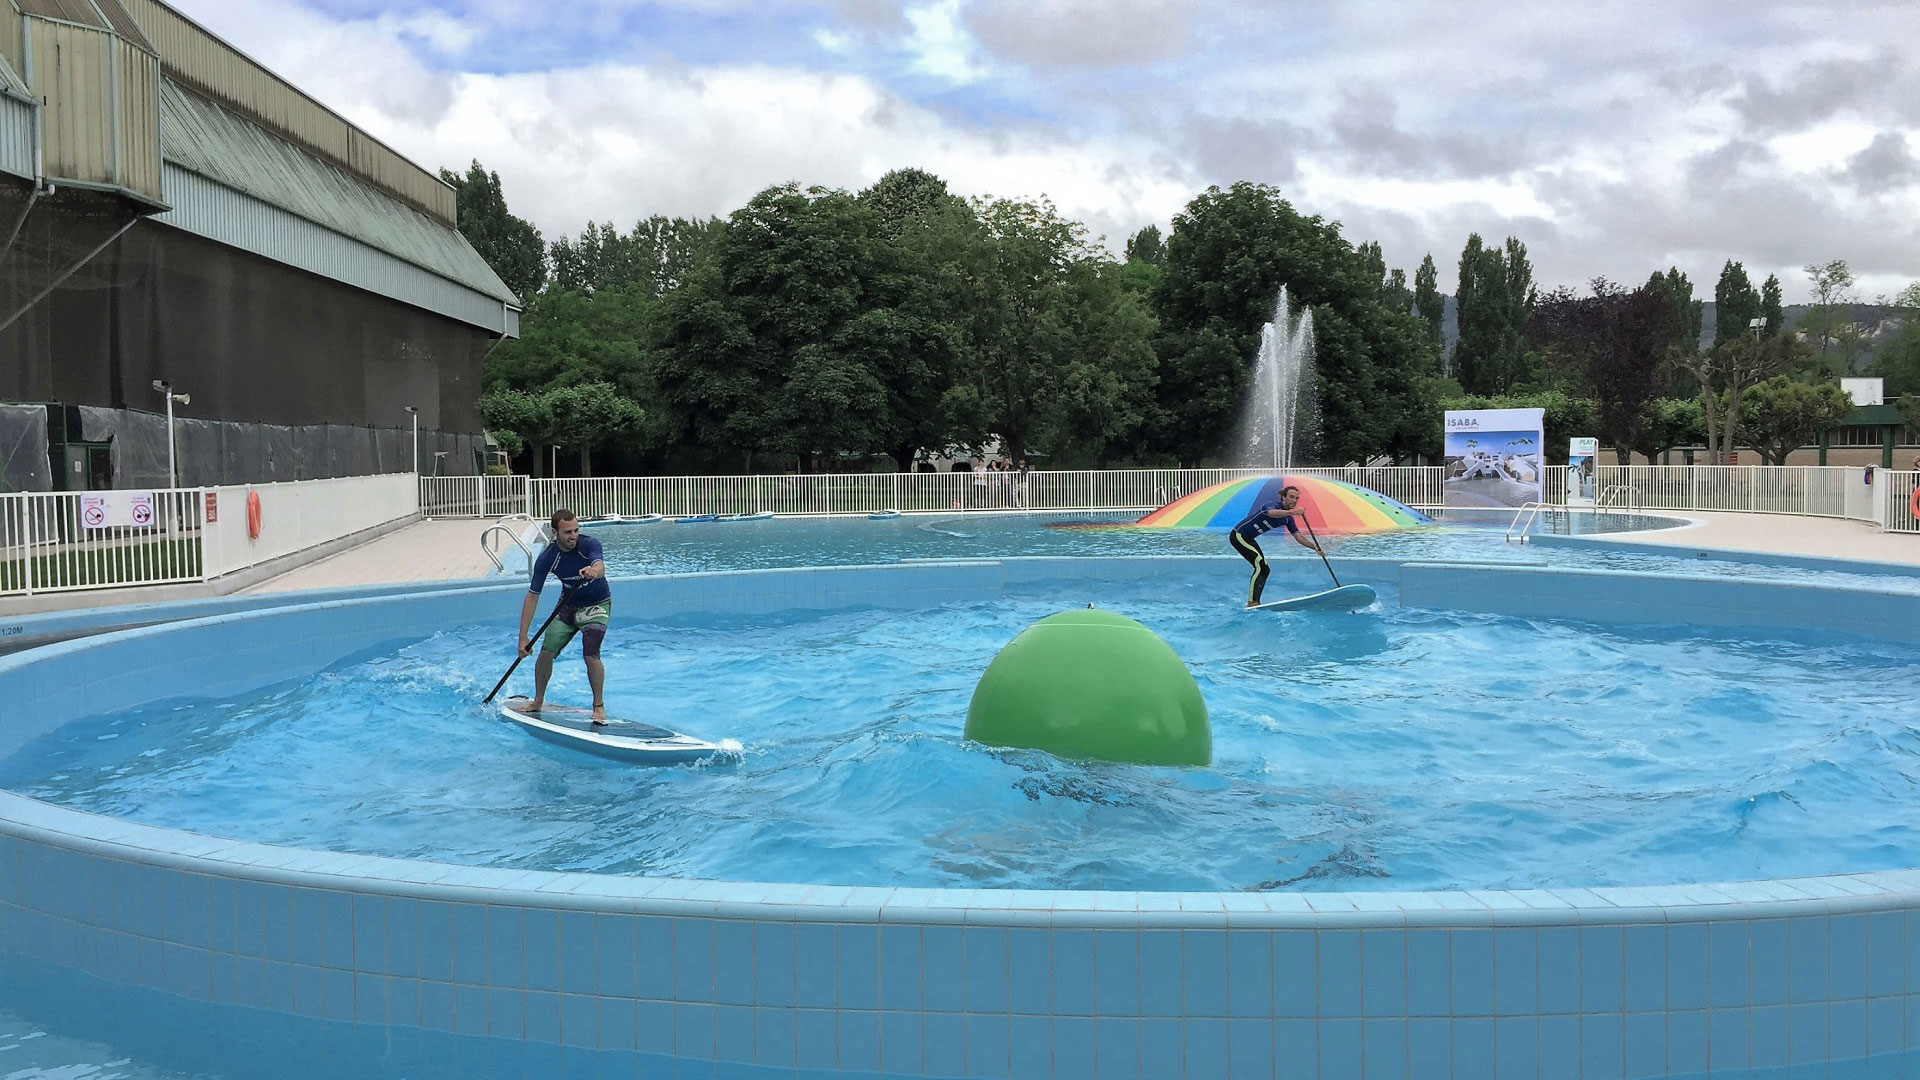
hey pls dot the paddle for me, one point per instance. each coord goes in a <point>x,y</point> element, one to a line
<point>1322,554</point>
<point>535,638</point>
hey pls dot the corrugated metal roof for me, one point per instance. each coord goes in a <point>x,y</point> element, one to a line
<point>202,137</point>
<point>239,220</point>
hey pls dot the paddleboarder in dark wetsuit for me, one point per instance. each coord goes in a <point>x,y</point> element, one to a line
<point>1245,537</point>
<point>577,561</point>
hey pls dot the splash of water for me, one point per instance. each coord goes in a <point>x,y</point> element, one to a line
<point>1279,425</point>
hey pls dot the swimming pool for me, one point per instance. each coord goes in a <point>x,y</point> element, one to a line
<point>1391,750</point>
<point>1558,539</point>
<point>200,954</point>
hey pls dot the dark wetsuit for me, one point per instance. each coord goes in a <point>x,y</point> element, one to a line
<point>1245,539</point>
<point>588,609</point>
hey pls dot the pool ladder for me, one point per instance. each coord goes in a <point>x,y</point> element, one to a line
<point>504,527</point>
<point>1523,521</point>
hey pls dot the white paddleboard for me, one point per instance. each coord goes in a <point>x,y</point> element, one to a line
<point>1344,598</point>
<point>622,740</point>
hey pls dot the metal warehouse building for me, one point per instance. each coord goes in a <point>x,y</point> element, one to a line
<point>171,210</point>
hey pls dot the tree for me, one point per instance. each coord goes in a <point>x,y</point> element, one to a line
<point>1725,372</point>
<point>657,256</point>
<point>905,199</point>
<point>1780,415</point>
<point>577,417</point>
<point>587,415</point>
<point>1621,343</point>
<point>1688,312</point>
<point>1735,304</point>
<point>775,351</point>
<point>1495,294</point>
<point>1228,256</point>
<point>1670,423</point>
<point>510,245</point>
<point>1770,306</point>
<point>1831,313</point>
<point>1057,352</point>
<point>1146,246</point>
<point>527,417</point>
<point>1427,301</point>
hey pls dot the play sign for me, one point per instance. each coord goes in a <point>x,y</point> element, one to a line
<point>116,509</point>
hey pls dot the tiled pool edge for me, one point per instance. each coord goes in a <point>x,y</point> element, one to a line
<point>942,982</point>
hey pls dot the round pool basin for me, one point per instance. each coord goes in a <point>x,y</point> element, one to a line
<point>203,952</point>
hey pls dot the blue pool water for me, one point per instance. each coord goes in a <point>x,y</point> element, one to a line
<point>667,548</point>
<point>1392,749</point>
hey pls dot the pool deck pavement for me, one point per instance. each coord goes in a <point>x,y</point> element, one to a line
<point>447,549</point>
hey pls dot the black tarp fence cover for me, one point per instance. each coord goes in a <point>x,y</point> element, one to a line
<point>209,453</point>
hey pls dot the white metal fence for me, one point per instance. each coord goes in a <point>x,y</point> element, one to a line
<point>1807,490</point>
<point>57,541</point>
<point>859,493</point>
<point>472,496</point>
<point>62,541</point>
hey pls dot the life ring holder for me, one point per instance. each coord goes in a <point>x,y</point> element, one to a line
<point>253,515</point>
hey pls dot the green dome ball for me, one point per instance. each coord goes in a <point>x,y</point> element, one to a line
<point>1092,684</point>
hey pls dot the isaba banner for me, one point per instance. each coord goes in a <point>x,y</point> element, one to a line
<point>1493,457</point>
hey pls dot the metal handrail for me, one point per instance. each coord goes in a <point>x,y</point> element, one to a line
<point>1529,512</point>
<point>1608,493</point>
<point>505,528</point>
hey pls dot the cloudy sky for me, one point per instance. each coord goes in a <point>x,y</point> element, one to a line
<point>1615,140</point>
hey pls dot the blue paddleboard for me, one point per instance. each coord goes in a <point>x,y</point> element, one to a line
<point>621,740</point>
<point>1344,598</point>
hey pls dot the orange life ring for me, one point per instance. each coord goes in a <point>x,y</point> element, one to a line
<point>253,515</point>
<point>1913,504</point>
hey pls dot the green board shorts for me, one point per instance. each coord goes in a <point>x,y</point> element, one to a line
<point>591,620</point>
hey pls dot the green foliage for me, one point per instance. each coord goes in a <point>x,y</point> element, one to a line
<point>659,255</point>
<point>1735,304</point>
<point>509,244</point>
<point>1688,312</point>
<point>1059,357</point>
<point>1770,306</point>
<point>1146,246</point>
<point>1898,361</point>
<point>1228,256</point>
<point>1781,415</point>
<point>1619,342</point>
<point>1495,295</point>
<point>1427,301</point>
<point>1670,423</point>
<point>577,416</point>
<point>1725,374</point>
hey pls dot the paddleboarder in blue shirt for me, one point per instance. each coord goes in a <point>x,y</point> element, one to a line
<point>587,607</point>
<point>1283,509</point>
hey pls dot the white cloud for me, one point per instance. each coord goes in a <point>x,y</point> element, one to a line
<point>1614,139</point>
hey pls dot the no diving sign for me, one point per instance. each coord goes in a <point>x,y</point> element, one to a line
<point>121,509</point>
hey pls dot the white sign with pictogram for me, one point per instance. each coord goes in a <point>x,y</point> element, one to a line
<point>116,509</point>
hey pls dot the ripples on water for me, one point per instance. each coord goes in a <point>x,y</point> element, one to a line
<point>1392,749</point>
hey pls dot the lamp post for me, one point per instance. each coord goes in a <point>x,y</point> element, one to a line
<point>165,389</point>
<point>414,412</point>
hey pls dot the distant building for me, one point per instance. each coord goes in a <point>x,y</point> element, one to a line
<point>171,210</point>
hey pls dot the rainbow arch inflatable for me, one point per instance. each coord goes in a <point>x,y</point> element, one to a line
<point>1333,506</point>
